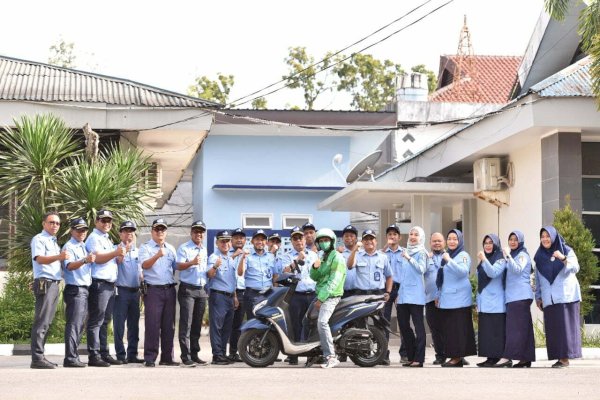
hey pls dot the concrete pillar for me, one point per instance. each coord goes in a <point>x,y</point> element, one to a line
<point>561,173</point>
<point>420,212</point>
<point>386,218</point>
<point>469,229</point>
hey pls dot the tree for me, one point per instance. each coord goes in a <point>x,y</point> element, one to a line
<point>589,29</point>
<point>61,54</point>
<point>371,82</point>
<point>302,74</point>
<point>571,227</point>
<point>259,104</point>
<point>212,90</point>
<point>431,78</point>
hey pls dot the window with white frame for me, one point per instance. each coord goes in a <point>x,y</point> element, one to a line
<point>288,221</point>
<point>257,221</point>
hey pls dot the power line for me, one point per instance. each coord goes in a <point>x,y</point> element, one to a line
<point>332,55</point>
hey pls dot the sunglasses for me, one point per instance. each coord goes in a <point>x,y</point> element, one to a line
<point>53,223</point>
<point>159,229</point>
<point>81,230</point>
<point>105,220</point>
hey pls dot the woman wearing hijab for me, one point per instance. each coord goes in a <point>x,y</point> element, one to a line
<point>455,301</point>
<point>411,297</point>
<point>558,295</point>
<point>491,278</point>
<point>520,342</point>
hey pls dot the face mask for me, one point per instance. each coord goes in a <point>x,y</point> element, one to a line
<point>324,246</point>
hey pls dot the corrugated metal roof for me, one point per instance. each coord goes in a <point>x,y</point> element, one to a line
<point>573,81</point>
<point>33,81</point>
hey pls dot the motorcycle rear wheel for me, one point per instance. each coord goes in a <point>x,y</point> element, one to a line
<point>255,355</point>
<point>377,353</point>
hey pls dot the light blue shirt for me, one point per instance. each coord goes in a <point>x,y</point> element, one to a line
<point>412,282</point>
<point>371,270</point>
<point>350,282</point>
<point>278,263</point>
<point>395,258</point>
<point>225,276</point>
<point>161,273</point>
<point>491,299</point>
<point>241,282</point>
<point>99,242</point>
<point>433,264</point>
<point>195,274</point>
<point>306,284</point>
<point>44,244</point>
<point>564,289</point>
<point>259,270</point>
<point>81,276</point>
<point>518,278</point>
<point>130,269</point>
<point>456,289</point>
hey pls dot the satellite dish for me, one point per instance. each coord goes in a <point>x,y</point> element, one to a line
<point>364,167</point>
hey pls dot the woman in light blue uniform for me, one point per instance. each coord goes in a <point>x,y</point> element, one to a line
<point>491,278</point>
<point>411,297</point>
<point>520,342</point>
<point>455,301</point>
<point>558,295</point>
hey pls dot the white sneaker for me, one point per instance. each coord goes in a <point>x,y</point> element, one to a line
<point>332,361</point>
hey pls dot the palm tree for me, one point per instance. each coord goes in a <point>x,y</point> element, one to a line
<point>589,30</point>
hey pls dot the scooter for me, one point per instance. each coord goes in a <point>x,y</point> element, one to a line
<point>357,326</point>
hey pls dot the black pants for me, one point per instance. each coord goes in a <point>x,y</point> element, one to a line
<point>251,298</point>
<point>387,313</point>
<point>415,347</point>
<point>76,305</point>
<point>100,308</point>
<point>45,308</point>
<point>238,319</point>
<point>159,322</point>
<point>298,307</point>
<point>192,303</point>
<point>434,321</point>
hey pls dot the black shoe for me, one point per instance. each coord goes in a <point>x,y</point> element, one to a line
<point>221,360</point>
<point>235,357</point>
<point>287,359</point>
<point>465,362</point>
<point>97,362</point>
<point>53,363</point>
<point>505,364</point>
<point>112,361</point>
<point>439,361</point>
<point>73,364</point>
<point>453,365</point>
<point>343,358</point>
<point>42,364</point>
<point>135,360</point>
<point>188,363</point>
<point>149,364</point>
<point>415,364</point>
<point>526,364</point>
<point>293,360</point>
<point>486,364</point>
<point>123,361</point>
<point>170,363</point>
<point>560,364</point>
<point>403,359</point>
<point>197,360</point>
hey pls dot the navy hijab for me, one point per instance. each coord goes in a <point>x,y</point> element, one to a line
<point>521,246</point>
<point>547,267</point>
<point>482,278</point>
<point>439,280</point>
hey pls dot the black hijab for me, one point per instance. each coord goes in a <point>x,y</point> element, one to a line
<point>547,265</point>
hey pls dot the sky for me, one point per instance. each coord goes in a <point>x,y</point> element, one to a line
<point>169,44</point>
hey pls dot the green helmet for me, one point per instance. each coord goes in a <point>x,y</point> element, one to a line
<point>326,233</point>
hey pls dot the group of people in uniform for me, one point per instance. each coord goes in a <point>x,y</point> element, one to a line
<point>105,281</point>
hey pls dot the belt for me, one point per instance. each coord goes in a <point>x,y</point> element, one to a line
<point>373,291</point>
<point>224,293</point>
<point>191,286</point>
<point>129,289</point>
<point>168,286</point>
<point>257,291</point>
<point>94,280</point>
<point>306,293</point>
<point>47,280</point>
<point>238,291</point>
<point>83,286</point>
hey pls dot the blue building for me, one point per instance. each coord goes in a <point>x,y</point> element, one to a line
<point>270,169</point>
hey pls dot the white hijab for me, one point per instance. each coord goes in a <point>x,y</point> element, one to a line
<point>420,246</point>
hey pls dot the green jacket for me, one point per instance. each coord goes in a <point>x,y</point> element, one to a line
<point>330,276</point>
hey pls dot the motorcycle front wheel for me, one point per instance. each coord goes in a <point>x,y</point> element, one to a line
<point>253,353</point>
<point>377,350</point>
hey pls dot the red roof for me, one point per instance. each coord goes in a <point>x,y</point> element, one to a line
<point>493,82</point>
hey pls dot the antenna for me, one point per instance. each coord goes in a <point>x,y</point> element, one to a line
<point>465,70</point>
<point>364,167</point>
<point>335,161</point>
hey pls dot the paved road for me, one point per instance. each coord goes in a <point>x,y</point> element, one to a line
<point>281,381</point>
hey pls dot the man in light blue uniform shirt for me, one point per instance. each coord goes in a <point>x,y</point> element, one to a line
<point>222,300</point>
<point>46,258</point>
<point>158,260</point>
<point>127,300</point>
<point>192,294</point>
<point>432,313</point>
<point>350,238</point>
<point>78,278</point>
<point>102,290</point>
<point>274,245</point>
<point>299,261</point>
<point>238,241</point>
<point>373,272</point>
<point>257,267</point>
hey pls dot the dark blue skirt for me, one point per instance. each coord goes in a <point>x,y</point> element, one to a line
<point>458,333</point>
<point>520,340</point>
<point>563,330</point>
<point>490,334</point>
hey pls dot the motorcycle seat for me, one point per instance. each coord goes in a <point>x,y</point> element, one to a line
<point>313,313</point>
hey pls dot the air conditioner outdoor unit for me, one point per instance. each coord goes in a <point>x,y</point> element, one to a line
<point>487,174</point>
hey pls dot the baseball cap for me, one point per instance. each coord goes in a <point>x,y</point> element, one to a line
<point>127,224</point>
<point>392,227</point>
<point>198,224</point>
<point>159,222</point>
<point>296,231</point>
<point>369,232</point>
<point>260,232</point>
<point>224,234</point>
<point>78,223</point>
<point>350,228</point>
<point>104,214</point>
<point>308,225</point>
<point>238,232</point>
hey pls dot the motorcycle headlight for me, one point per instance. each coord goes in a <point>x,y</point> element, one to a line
<point>259,306</point>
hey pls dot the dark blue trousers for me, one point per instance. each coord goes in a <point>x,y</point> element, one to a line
<point>387,313</point>
<point>100,307</point>
<point>251,298</point>
<point>434,321</point>
<point>127,309</point>
<point>220,311</point>
<point>415,347</point>
<point>238,318</point>
<point>298,306</point>
<point>159,319</point>
<point>76,304</point>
